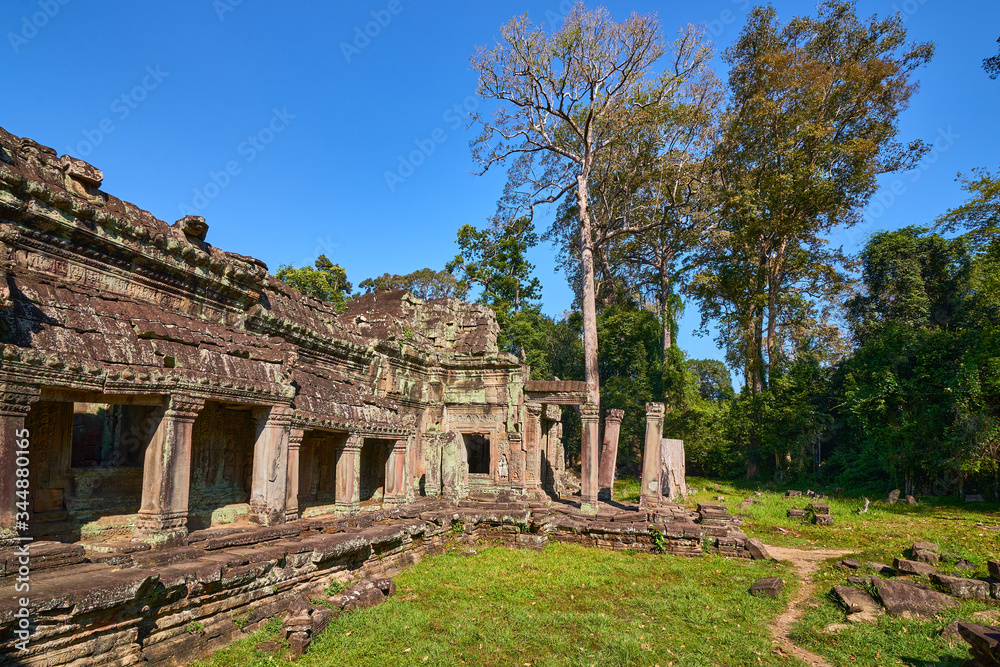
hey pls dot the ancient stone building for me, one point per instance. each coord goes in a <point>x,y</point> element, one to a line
<point>169,386</point>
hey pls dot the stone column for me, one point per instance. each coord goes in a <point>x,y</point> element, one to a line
<point>395,475</point>
<point>673,469</point>
<point>590,415</point>
<point>432,464</point>
<point>532,445</point>
<point>166,475</point>
<point>270,465</point>
<point>15,402</point>
<point>609,450</point>
<point>556,456</point>
<point>650,496</point>
<point>295,437</point>
<point>347,499</point>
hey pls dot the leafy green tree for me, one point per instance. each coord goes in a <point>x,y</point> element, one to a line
<point>918,399</point>
<point>496,261</point>
<point>992,64</point>
<point>980,215</point>
<point>422,283</point>
<point>812,120</point>
<point>712,379</point>
<point>325,281</point>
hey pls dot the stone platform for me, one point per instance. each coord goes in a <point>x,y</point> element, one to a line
<point>119,606</point>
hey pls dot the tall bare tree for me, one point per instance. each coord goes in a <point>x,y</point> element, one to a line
<point>566,99</point>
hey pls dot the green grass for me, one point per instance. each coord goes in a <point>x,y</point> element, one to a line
<point>571,605</point>
<point>567,605</point>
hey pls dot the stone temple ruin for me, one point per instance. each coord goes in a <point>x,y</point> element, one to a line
<point>197,430</point>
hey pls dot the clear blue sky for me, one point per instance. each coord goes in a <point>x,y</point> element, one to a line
<point>255,115</point>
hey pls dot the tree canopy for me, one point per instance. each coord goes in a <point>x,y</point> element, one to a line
<point>324,280</point>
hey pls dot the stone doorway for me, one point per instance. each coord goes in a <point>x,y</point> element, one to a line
<point>222,445</point>
<point>374,459</point>
<point>318,472</point>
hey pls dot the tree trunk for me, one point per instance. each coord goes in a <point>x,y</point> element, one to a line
<point>589,297</point>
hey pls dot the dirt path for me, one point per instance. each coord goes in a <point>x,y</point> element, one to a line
<point>806,563</point>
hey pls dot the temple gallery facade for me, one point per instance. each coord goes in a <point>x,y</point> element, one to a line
<point>168,386</point>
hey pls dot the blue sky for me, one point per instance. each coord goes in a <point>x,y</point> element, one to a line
<point>279,122</point>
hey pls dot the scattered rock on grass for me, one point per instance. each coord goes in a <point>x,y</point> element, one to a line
<point>757,550</point>
<point>984,643</point>
<point>904,566</point>
<point>880,568</point>
<point>906,599</point>
<point>769,587</point>
<point>860,606</point>
<point>960,587</point>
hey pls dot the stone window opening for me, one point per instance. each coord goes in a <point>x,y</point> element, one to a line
<point>477,447</point>
<point>108,435</point>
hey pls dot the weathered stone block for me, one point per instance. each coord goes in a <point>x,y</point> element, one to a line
<point>903,598</point>
<point>768,587</point>
<point>963,588</point>
<point>904,566</point>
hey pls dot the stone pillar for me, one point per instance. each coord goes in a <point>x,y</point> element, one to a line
<point>270,466</point>
<point>532,445</point>
<point>590,415</point>
<point>166,475</point>
<point>556,457</point>
<point>432,464</point>
<point>673,469</point>
<point>650,496</point>
<point>395,475</point>
<point>515,464</point>
<point>295,437</point>
<point>347,499</point>
<point>15,402</point>
<point>609,450</point>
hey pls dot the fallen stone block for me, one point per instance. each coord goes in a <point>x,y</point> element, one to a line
<point>792,494</point>
<point>904,566</point>
<point>770,587</point>
<point>823,520</point>
<point>893,496</point>
<point>983,641</point>
<point>967,589</point>
<point>818,509</point>
<point>880,568</point>
<point>854,600</point>
<point>905,599</point>
<point>757,550</point>
<point>796,514</point>
<point>993,567</point>
<point>848,564</point>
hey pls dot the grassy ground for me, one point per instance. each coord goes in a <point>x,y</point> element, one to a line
<point>570,605</point>
<point>883,533</point>
<point>567,605</point>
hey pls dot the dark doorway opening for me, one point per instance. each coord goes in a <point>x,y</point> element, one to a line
<point>477,447</point>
